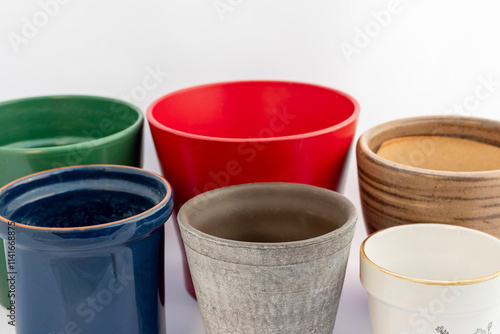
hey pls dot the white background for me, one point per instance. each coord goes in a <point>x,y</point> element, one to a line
<point>397,58</point>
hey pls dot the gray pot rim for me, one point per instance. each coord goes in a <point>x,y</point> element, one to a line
<point>327,237</point>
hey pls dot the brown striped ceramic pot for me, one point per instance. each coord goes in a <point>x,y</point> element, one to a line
<point>396,194</point>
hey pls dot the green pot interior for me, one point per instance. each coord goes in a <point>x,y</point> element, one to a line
<point>58,121</point>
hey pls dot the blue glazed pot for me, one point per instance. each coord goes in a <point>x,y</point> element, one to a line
<point>85,250</point>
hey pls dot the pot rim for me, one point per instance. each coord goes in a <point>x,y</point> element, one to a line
<point>167,198</point>
<point>477,280</point>
<point>95,142</point>
<point>155,123</point>
<point>365,139</point>
<point>324,238</point>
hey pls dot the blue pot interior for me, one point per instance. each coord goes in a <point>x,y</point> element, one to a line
<point>76,198</point>
<point>81,208</point>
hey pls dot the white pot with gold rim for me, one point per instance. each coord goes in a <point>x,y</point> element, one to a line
<point>432,278</point>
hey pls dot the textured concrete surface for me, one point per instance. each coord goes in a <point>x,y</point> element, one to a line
<point>254,287</point>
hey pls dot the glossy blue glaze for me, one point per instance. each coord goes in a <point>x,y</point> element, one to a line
<point>88,250</point>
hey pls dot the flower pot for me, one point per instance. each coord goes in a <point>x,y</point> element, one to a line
<point>428,278</point>
<point>268,257</point>
<point>49,132</point>
<point>85,250</point>
<point>252,131</point>
<point>394,193</point>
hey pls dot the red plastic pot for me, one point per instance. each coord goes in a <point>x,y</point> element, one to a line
<point>231,133</point>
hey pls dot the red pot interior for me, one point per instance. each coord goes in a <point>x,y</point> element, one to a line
<point>239,110</point>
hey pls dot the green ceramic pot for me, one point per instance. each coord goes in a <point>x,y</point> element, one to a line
<point>41,133</point>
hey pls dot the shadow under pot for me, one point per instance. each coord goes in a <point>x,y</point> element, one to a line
<point>85,249</point>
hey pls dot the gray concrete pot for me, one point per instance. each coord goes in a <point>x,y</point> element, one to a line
<point>268,257</point>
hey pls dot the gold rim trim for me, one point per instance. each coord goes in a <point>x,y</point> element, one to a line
<point>167,197</point>
<point>421,280</point>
